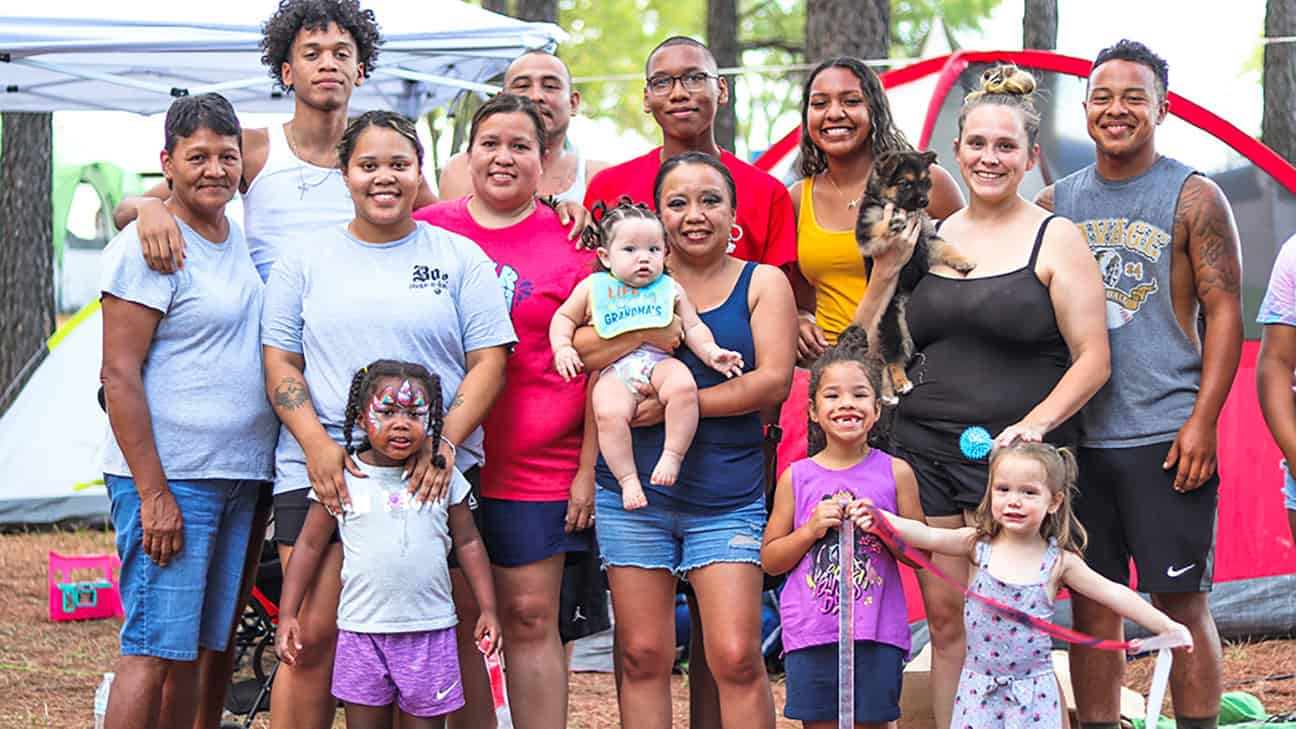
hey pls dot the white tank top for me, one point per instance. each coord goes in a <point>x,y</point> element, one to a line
<point>575,193</point>
<point>288,197</point>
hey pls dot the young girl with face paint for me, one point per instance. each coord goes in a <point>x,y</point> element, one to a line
<point>396,649</point>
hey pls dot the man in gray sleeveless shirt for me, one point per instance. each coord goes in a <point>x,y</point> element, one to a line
<point>1167,247</point>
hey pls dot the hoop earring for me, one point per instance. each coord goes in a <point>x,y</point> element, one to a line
<point>735,233</point>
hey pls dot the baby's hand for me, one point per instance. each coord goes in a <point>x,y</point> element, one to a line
<point>567,362</point>
<point>288,640</point>
<point>487,633</point>
<point>827,515</point>
<point>725,361</point>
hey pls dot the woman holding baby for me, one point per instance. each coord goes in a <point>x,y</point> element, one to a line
<point>708,527</point>
<point>1016,347</point>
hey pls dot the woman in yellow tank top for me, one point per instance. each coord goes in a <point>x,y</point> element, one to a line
<point>845,124</point>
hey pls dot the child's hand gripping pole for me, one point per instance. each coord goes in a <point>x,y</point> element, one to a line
<point>846,621</point>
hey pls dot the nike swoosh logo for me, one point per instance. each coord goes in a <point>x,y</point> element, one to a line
<point>1172,572</point>
<point>440,695</point>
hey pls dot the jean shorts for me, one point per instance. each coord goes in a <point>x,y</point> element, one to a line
<point>1289,488</point>
<point>655,537</point>
<point>171,611</point>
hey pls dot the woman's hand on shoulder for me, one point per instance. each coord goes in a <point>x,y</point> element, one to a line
<point>325,463</point>
<point>429,482</point>
<point>574,217</point>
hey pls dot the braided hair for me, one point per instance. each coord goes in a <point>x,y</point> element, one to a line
<point>599,234</point>
<point>362,388</point>
<point>851,346</point>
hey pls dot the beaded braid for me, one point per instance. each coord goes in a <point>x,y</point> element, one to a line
<point>358,385</point>
<point>362,386</point>
<point>851,346</point>
<point>599,235</point>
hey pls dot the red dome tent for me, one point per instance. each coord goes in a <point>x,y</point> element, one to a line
<point>1255,560</point>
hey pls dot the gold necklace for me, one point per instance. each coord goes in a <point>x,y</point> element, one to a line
<point>851,203</point>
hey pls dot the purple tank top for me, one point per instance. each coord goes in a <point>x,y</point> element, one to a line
<point>808,604</point>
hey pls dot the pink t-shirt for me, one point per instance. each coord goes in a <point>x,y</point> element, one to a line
<point>533,433</point>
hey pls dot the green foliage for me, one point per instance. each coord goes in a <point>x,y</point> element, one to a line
<point>912,19</point>
<point>610,37</point>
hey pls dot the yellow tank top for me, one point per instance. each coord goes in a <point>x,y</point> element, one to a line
<point>831,262</point>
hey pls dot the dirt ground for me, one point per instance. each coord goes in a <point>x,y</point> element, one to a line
<point>49,671</point>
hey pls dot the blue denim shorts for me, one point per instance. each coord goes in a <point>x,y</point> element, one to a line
<point>171,611</point>
<point>1289,488</point>
<point>658,538</point>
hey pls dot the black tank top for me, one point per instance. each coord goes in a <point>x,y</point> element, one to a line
<point>987,351</point>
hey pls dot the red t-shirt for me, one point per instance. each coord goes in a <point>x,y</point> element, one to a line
<point>766,225</point>
<point>534,431</point>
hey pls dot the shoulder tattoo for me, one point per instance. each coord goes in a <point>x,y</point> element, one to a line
<point>1204,217</point>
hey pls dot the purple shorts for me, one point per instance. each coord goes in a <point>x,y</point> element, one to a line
<point>419,672</point>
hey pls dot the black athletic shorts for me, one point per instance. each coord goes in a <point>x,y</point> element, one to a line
<point>290,509</point>
<point>946,487</point>
<point>583,600</point>
<point>1128,506</point>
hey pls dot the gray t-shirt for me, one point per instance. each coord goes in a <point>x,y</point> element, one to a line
<point>430,298</point>
<point>202,376</point>
<point>395,577</point>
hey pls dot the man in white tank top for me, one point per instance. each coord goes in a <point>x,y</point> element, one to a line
<point>545,79</point>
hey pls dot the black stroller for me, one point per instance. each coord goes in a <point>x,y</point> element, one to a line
<point>254,641</point>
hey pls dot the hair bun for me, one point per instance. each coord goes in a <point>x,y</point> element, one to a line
<point>853,339</point>
<point>1006,78</point>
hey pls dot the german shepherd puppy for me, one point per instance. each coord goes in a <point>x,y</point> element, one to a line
<point>904,180</point>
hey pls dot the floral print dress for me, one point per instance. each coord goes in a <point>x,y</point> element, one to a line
<point>1007,678</point>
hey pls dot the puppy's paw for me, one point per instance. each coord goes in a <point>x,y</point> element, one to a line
<point>962,265</point>
<point>890,400</point>
<point>899,219</point>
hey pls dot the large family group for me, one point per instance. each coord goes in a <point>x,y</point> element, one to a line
<point>473,417</point>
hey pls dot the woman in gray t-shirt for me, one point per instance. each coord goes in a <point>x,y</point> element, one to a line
<point>381,286</point>
<point>183,468</point>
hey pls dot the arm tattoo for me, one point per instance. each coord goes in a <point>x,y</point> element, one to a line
<point>290,394</point>
<point>458,400</point>
<point>1212,238</point>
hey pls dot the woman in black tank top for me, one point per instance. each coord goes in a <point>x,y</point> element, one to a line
<point>1017,347</point>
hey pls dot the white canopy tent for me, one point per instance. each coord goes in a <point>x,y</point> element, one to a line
<point>137,55</point>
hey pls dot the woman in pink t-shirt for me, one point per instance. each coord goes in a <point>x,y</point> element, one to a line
<point>537,493</point>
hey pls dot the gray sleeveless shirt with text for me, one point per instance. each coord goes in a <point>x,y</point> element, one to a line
<point>1155,367</point>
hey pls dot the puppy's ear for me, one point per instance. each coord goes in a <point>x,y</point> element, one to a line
<point>927,158</point>
<point>886,165</point>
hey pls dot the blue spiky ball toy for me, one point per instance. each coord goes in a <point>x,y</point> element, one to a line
<point>976,443</point>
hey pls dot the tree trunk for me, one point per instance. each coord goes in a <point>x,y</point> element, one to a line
<point>26,248</point>
<point>847,28</point>
<point>496,6</point>
<point>722,38</point>
<point>1278,126</point>
<point>1040,25</point>
<point>543,11</point>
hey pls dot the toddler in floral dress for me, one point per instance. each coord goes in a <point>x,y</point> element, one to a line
<point>1027,545</point>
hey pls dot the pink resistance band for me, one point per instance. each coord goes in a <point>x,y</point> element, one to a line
<point>1160,643</point>
<point>887,533</point>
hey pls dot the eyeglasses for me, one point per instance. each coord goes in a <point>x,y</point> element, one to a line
<point>691,81</point>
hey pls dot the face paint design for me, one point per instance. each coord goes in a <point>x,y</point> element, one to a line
<point>396,419</point>
<point>406,397</point>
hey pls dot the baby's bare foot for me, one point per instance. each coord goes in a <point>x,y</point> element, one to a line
<point>632,496</point>
<point>667,469</point>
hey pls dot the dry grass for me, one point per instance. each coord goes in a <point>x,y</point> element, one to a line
<point>49,671</point>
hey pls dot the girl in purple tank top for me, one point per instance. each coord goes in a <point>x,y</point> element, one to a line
<point>801,537</point>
